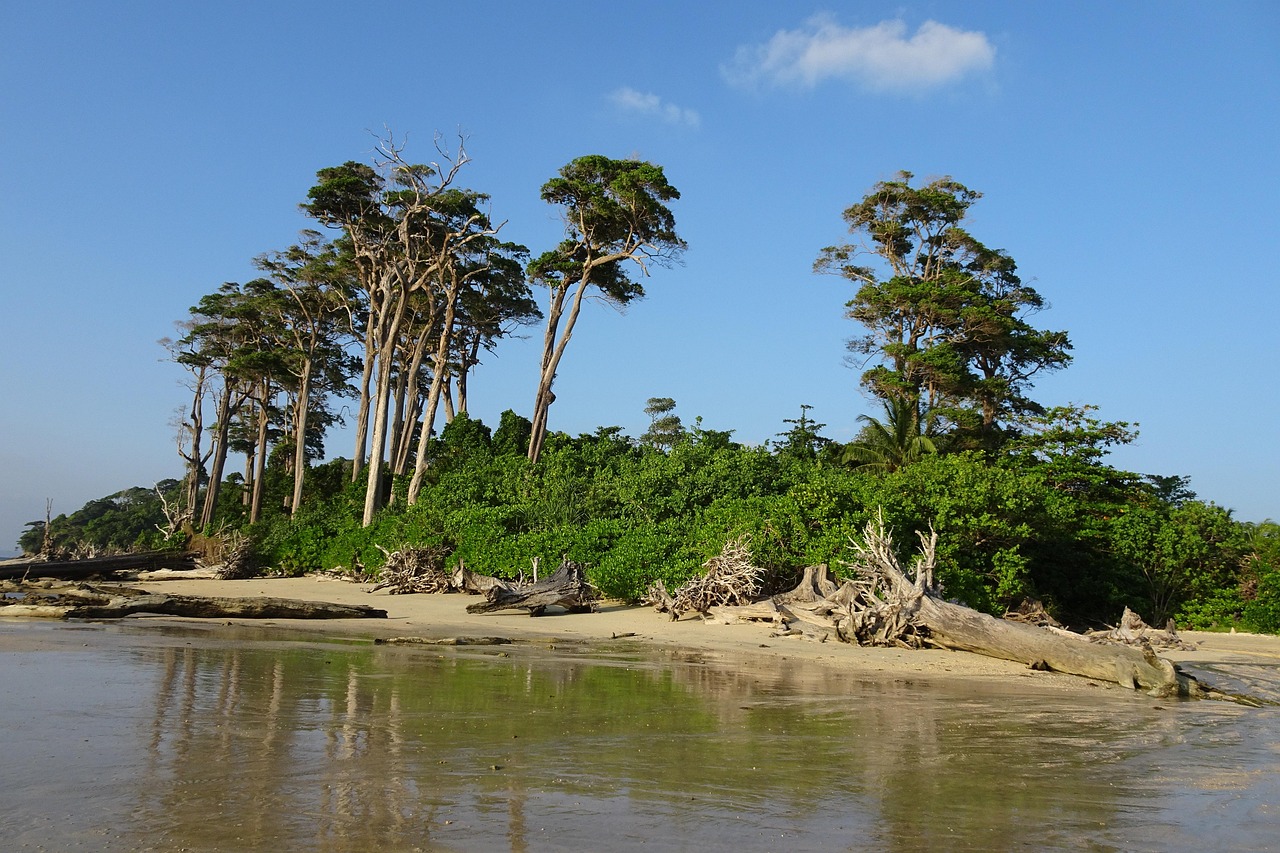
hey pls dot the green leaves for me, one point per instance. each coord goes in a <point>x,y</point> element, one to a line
<point>946,314</point>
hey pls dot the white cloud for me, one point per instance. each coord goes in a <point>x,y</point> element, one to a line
<point>644,104</point>
<point>882,57</point>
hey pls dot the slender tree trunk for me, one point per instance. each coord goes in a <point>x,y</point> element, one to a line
<point>440,374</point>
<point>219,455</point>
<point>246,495</point>
<point>552,352</point>
<point>397,421</point>
<point>260,461</point>
<point>362,416</point>
<point>414,406</point>
<point>300,435</point>
<point>382,393</point>
<point>192,456</point>
<point>446,397</point>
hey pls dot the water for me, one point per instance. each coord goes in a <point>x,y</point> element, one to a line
<point>207,738</point>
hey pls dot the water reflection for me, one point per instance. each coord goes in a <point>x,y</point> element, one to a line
<point>211,741</point>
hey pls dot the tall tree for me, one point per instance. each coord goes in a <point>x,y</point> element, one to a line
<point>665,428</point>
<point>309,295</point>
<point>614,211</point>
<point>946,316</point>
<point>466,251</point>
<point>396,218</point>
<point>499,302</point>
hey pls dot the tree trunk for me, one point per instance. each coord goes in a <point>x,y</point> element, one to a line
<point>94,566</point>
<point>362,416</point>
<point>439,375</point>
<point>219,453</point>
<point>382,393</point>
<point>260,458</point>
<point>567,588</point>
<point>303,406</point>
<point>542,399</point>
<point>101,605</point>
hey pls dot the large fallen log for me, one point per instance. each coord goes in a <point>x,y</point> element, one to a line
<point>149,561</point>
<point>887,600</point>
<point>97,603</point>
<point>567,588</point>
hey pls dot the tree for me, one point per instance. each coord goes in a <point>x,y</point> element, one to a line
<point>945,315</point>
<point>405,223</point>
<point>802,441</point>
<point>1182,553</point>
<point>896,442</point>
<point>309,304</point>
<point>665,428</point>
<point>614,211</point>
<point>499,301</point>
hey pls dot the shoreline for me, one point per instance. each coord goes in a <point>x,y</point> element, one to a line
<point>439,616</point>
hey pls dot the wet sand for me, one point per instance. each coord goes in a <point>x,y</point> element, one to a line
<point>441,616</point>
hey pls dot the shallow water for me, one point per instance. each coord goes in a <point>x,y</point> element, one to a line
<point>205,738</point>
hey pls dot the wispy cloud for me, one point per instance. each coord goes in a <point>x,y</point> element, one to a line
<point>651,106</point>
<point>882,58</point>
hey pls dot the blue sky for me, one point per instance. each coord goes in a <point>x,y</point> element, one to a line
<point>1126,152</point>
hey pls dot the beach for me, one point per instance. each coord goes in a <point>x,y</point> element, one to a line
<point>233,734</point>
<point>442,616</point>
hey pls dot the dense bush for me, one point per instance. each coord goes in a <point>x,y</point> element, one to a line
<point>1052,523</point>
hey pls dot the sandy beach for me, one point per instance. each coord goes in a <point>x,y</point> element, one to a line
<point>445,615</point>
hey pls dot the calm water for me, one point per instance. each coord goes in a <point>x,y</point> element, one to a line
<point>126,737</point>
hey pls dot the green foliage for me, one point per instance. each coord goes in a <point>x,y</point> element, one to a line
<point>1180,557</point>
<point>512,435</point>
<point>132,519</point>
<point>665,428</point>
<point>982,514</point>
<point>885,446</point>
<point>802,441</point>
<point>944,314</point>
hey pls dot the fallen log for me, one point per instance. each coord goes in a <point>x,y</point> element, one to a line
<point>94,603</point>
<point>149,561</point>
<point>888,598</point>
<point>465,580</point>
<point>443,641</point>
<point>567,588</point>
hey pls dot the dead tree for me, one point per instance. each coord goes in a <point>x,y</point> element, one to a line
<point>414,570</point>
<point>886,605</point>
<point>88,602</point>
<point>730,579</point>
<point>567,588</point>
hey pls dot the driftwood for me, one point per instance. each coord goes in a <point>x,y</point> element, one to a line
<point>1132,631</point>
<point>443,641</point>
<point>88,602</point>
<point>567,588</point>
<point>729,579</point>
<point>414,570</point>
<point>885,602</point>
<point>97,566</point>
<point>885,605</point>
<point>238,563</point>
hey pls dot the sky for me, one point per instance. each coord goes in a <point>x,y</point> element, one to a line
<point>1126,153</point>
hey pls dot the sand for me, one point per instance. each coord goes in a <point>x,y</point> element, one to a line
<point>442,616</point>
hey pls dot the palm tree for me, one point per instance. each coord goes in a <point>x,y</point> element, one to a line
<point>895,442</point>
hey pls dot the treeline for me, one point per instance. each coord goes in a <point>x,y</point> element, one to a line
<point>1048,521</point>
<point>412,286</point>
